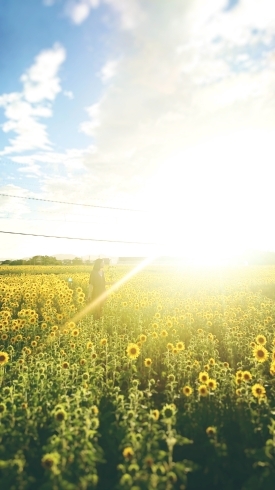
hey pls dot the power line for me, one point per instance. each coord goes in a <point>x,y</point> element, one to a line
<point>77,238</point>
<point>65,220</point>
<point>75,203</point>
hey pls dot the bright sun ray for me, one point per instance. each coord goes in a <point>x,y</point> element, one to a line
<point>85,311</point>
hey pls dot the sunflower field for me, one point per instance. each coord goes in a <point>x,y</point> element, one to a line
<point>173,388</point>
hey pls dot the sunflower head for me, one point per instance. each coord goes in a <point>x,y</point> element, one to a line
<point>211,431</point>
<point>203,377</point>
<point>203,390</point>
<point>155,414</point>
<point>212,384</point>
<point>60,415</point>
<point>148,362</point>
<point>261,339</point>
<point>50,460</point>
<point>260,353</point>
<point>133,351</point>
<point>168,411</point>
<point>258,390</point>
<point>247,376</point>
<point>128,452</point>
<point>187,390</point>
<point>4,357</point>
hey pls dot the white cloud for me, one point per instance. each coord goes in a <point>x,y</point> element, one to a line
<point>182,84</point>
<point>71,159</point>
<point>69,94</point>
<point>78,12</point>
<point>109,70</point>
<point>129,11</point>
<point>41,82</point>
<point>12,208</point>
<point>23,109</point>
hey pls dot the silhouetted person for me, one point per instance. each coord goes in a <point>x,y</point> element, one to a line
<point>97,287</point>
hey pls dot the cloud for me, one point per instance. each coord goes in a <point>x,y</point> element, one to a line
<point>109,70</point>
<point>10,207</point>
<point>129,11</point>
<point>41,85</point>
<point>69,94</point>
<point>71,160</point>
<point>40,82</point>
<point>186,80</point>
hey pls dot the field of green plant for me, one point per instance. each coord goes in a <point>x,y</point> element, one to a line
<point>174,388</point>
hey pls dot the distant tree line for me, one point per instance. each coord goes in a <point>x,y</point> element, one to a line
<point>48,260</point>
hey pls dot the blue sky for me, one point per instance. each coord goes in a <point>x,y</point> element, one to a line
<point>166,107</point>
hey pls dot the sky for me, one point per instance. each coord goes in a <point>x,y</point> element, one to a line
<point>151,124</point>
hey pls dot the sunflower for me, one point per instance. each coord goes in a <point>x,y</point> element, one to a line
<point>203,377</point>
<point>103,342</point>
<point>4,357</point>
<point>94,410</point>
<point>60,415</point>
<point>164,333</point>
<point>187,390</point>
<point>258,390</point>
<point>142,337</point>
<point>260,354</point>
<point>180,346</point>
<point>247,376</point>
<point>75,332</point>
<point>211,431</point>
<point>170,346</point>
<point>212,384</point>
<point>71,325</point>
<point>154,335</point>
<point>203,391</point>
<point>147,362</point>
<point>272,368</point>
<point>155,414</point>
<point>261,339</point>
<point>168,410</point>
<point>2,408</point>
<point>50,460</point>
<point>133,351</point>
<point>65,365</point>
<point>128,452</point>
